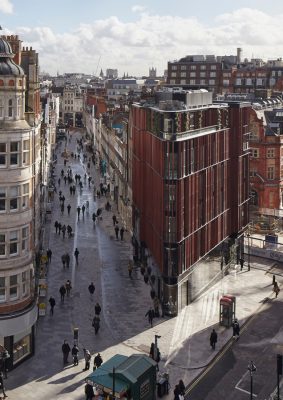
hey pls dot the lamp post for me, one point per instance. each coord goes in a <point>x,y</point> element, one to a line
<point>249,253</point>
<point>252,369</point>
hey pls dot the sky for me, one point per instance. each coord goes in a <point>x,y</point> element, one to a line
<point>135,35</point>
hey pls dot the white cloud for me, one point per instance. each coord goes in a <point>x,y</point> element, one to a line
<point>138,9</point>
<point>153,40</point>
<point>6,6</point>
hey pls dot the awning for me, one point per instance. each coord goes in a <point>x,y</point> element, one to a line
<point>18,324</point>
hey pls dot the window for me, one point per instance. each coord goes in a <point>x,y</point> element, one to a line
<point>193,67</point>
<point>226,82</point>
<point>213,67</point>
<point>2,289</point>
<point>183,74</point>
<point>254,153</point>
<point>25,277</point>
<point>192,74</point>
<point>3,198</point>
<point>19,107</point>
<point>202,82</point>
<point>10,108</point>
<point>270,173</point>
<point>174,68</point>
<point>26,159</point>
<point>173,74</point>
<point>14,237</point>
<point>3,154</point>
<point>183,67</point>
<point>212,74</point>
<point>25,238</point>
<point>192,82</point>
<point>11,82</point>
<point>183,82</point>
<point>14,197</point>
<point>212,81</point>
<point>270,153</point>
<point>2,245</point>
<point>203,67</point>
<point>14,153</point>
<point>203,74</point>
<point>172,81</point>
<point>25,197</point>
<point>13,287</point>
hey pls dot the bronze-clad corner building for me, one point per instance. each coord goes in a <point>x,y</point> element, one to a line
<point>190,190</point>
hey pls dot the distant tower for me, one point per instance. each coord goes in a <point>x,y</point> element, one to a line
<point>239,55</point>
<point>101,74</point>
<point>152,72</point>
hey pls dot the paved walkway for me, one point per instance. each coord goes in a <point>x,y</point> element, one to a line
<point>184,342</point>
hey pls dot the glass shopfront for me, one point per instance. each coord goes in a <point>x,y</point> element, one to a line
<point>21,346</point>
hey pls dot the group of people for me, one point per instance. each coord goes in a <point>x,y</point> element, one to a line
<point>179,390</point>
<point>236,333</point>
<point>65,290</point>
<point>63,228</point>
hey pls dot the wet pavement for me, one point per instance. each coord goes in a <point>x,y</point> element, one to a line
<point>184,342</point>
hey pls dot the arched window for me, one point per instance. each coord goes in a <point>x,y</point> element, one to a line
<point>1,82</point>
<point>10,108</point>
<point>11,82</point>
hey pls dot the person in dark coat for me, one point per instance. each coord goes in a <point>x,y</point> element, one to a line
<point>213,339</point>
<point>114,218</point>
<point>236,328</point>
<point>52,303</point>
<point>65,350</point>
<point>56,224</point>
<point>2,387</point>
<point>116,231</point>
<point>49,255</point>
<point>76,254</point>
<point>97,309</point>
<point>97,361</point>
<point>89,391</point>
<point>91,288</point>
<point>150,315</point>
<point>75,351</point>
<point>176,393</point>
<point>122,230</point>
<point>69,208</point>
<point>182,387</point>
<point>242,263</point>
<point>62,291</point>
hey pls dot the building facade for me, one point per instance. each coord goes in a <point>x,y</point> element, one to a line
<point>18,165</point>
<point>190,191</point>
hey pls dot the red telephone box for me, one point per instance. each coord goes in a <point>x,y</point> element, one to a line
<point>226,311</point>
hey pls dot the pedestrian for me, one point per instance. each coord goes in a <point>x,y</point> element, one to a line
<point>74,189</point>
<point>114,218</point>
<point>96,323</point>
<point>97,309</point>
<point>67,259</point>
<point>182,387</point>
<point>63,259</point>
<point>64,231</point>
<point>91,288</point>
<point>56,224</point>
<point>213,339</point>
<point>62,173</point>
<point>62,291</point>
<point>89,181</point>
<point>76,254</point>
<point>177,393</point>
<point>65,350</point>
<point>97,361</point>
<point>242,263</point>
<point>71,190</point>
<point>89,392</point>
<point>2,387</point>
<point>78,211</point>
<point>87,357</point>
<point>116,231</point>
<point>68,286</point>
<point>59,181</point>
<point>83,210</point>
<point>59,228</point>
<point>236,328</point>
<point>52,303</point>
<point>156,307</point>
<point>75,351</point>
<point>276,289</point>
<point>94,218</point>
<point>49,255</point>
<point>62,209</point>
<point>65,179</point>
<point>122,230</point>
<point>69,231</point>
<point>150,315</point>
<point>69,208</point>
<point>130,269</point>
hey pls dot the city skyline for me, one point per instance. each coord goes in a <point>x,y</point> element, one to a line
<point>140,35</point>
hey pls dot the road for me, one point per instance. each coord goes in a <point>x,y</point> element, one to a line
<point>261,340</point>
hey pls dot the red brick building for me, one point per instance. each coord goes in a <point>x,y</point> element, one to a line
<point>190,190</point>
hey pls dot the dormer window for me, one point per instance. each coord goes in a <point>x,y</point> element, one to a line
<point>10,108</point>
<point>11,82</point>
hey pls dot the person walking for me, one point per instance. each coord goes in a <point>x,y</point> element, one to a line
<point>89,392</point>
<point>67,259</point>
<point>150,315</point>
<point>97,309</point>
<point>2,386</point>
<point>64,231</point>
<point>276,289</point>
<point>68,208</point>
<point>242,263</point>
<point>68,286</point>
<point>78,211</point>
<point>59,182</point>
<point>236,329</point>
<point>96,323</point>
<point>62,209</point>
<point>182,387</point>
<point>87,357</point>
<point>114,218</point>
<point>91,288</point>
<point>52,303</point>
<point>76,254</point>
<point>97,361</point>
<point>49,255</point>
<point>65,350</point>
<point>75,352</point>
<point>59,228</point>
<point>62,291</point>
<point>63,259</point>
<point>177,393</point>
<point>116,231</point>
<point>213,339</point>
<point>83,210</point>
<point>56,224</point>
<point>122,230</point>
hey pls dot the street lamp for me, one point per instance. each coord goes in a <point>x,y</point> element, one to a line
<point>249,252</point>
<point>252,369</point>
